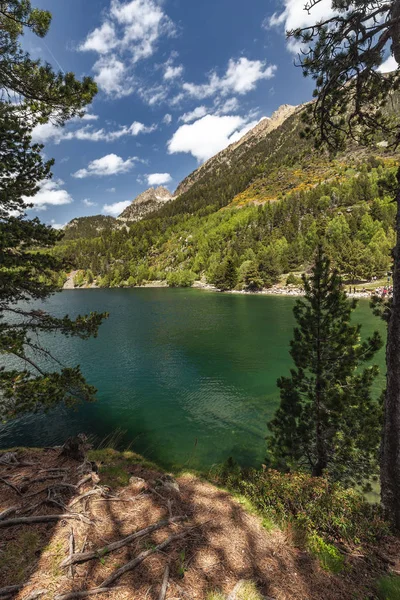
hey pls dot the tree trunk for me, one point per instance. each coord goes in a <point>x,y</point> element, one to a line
<point>390,451</point>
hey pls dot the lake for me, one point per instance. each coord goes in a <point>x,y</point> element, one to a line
<point>188,375</point>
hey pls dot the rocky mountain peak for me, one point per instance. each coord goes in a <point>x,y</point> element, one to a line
<point>147,202</point>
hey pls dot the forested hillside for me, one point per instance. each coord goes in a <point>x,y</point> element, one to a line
<point>249,219</point>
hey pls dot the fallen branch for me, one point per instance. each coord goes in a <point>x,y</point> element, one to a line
<point>35,594</point>
<point>164,585</point>
<point>105,585</point>
<point>11,485</point>
<point>85,495</point>
<point>84,479</point>
<point>8,511</point>
<point>84,557</point>
<point>43,519</point>
<point>11,589</point>
<point>50,488</point>
<point>71,553</point>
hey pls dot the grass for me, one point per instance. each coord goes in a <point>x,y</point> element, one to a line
<point>19,556</point>
<point>330,559</point>
<point>247,590</point>
<point>115,466</point>
<point>389,587</point>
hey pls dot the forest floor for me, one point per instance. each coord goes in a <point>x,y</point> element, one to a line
<point>115,527</point>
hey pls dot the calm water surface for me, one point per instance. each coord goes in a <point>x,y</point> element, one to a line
<point>189,375</point>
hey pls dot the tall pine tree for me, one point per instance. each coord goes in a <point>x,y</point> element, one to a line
<point>327,421</point>
<point>32,93</point>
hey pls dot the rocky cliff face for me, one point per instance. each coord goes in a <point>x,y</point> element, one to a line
<point>251,138</point>
<point>147,202</point>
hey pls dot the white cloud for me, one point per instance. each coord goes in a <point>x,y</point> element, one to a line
<point>295,16</point>
<point>115,209</point>
<point>172,72</point>
<point>130,32</point>
<point>389,65</point>
<point>88,202</point>
<point>89,117</point>
<point>158,178</point>
<point>111,164</point>
<point>208,135</point>
<point>49,194</point>
<point>229,106</point>
<point>111,75</point>
<point>237,135</point>
<point>47,132</point>
<point>111,190</point>
<point>51,133</point>
<point>167,120</point>
<point>197,113</point>
<point>57,226</point>
<point>101,40</point>
<point>241,77</point>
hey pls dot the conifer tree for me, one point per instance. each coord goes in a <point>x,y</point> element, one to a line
<point>32,93</point>
<point>344,54</point>
<point>327,421</point>
<point>226,275</point>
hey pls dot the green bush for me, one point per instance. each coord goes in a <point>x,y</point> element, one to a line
<point>312,505</point>
<point>293,280</point>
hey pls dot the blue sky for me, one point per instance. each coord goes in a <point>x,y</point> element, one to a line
<point>178,81</point>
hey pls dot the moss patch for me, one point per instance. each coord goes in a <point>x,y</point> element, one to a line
<point>389,587</point>
<point>19,556</point>
<point>329,557</point>
<point>115,466</point>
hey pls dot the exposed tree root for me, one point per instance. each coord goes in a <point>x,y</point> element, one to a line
<point>11,485</point>
<point>8,511</point>
<point>84,557</point>
<point>164,584</point>
<point>10,589</point>
<point>105,585</point>
<point>43,519</point>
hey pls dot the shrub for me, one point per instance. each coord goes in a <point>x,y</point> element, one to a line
<point>313,505</point>
<point>293,280</point>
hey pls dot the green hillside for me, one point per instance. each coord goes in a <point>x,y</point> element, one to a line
<point>256,215</point>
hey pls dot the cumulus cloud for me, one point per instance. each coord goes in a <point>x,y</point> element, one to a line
<point>49,194</point>
<point>111,75</point>
<point>389,65</point>
<point>229,106</point>
<point>167,120</point>
<point>197,113</point>
<point>294,16</point>
<point>115,209</point>
<point>57,225</point>
<point>111,164</point>
<point>208,135</point>
<point>51,133</point>
<point>158,178</point>
<point>240,77</point>
<point>130,32</point>
<point>172,72</point>
<point>88,202</point>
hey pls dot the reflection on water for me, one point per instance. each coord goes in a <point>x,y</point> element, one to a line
<point>189,375</point>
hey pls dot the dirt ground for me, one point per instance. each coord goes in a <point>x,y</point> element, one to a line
<point>215,544</point>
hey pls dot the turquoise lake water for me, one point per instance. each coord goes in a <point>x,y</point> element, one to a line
<point>188,375</point>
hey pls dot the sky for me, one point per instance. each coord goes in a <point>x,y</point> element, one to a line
<point>178,81</point>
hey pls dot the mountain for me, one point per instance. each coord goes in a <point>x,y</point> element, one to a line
<point>252,213</point>
<point>145,204</point>
<point>237,149</point>
<point>88,227</point>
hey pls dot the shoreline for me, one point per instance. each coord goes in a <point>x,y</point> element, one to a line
<point>287,291</point>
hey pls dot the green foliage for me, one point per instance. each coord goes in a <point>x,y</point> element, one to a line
<point>28,270</point>
<point>329,557</point>
<point>327,420</point>
<point>182,278</point>
<point>278,237</point>
<point>312,505</point>
<point>389,587</point>
<point>293,280</point>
